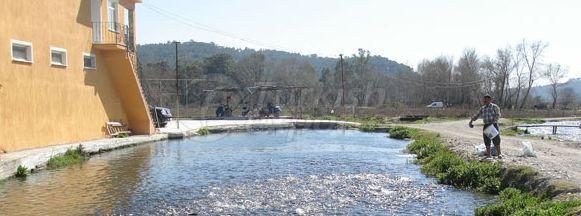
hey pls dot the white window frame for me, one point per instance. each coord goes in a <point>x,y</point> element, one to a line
<point>94,61</point>
<point>61,51</point>
<point>25,44</point>
<point>112,24</point>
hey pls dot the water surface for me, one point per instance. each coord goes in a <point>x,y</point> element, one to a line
<point>572,134</point>
<point>272,172</point>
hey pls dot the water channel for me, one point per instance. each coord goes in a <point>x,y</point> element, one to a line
<point>270,172</point>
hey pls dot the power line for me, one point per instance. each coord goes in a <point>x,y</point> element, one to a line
<point>199,26</point>
<point>441,85</point>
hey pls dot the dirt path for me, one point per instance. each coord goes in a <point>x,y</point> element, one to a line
<point>555,159</point>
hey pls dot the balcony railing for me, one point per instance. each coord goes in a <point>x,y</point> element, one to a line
<point>112,33</point>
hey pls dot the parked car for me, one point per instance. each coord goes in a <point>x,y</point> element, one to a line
<point>436,105</point>
<point>160,116</point>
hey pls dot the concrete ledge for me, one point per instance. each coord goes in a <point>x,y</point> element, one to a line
<point>37,158</point>
<point>189,128</point>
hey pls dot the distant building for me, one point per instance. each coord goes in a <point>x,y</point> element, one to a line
<point>66,68</point>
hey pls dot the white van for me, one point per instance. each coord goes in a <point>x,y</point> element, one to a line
<point>436,105</point>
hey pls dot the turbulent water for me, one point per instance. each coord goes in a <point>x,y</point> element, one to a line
<point>573,134</point>
<point>267,173</point>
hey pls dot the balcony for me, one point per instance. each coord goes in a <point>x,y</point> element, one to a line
<point>113,36</point>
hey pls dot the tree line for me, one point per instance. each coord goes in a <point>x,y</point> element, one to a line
<point>354,80</point>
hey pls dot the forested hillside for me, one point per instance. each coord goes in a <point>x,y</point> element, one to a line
<point>192,51</point>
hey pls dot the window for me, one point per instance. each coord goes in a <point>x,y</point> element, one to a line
<point>113,15</point>
<point>89,61</point>
<point>58,56</point>
<point>21,51</point>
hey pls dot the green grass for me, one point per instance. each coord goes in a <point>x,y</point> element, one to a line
<point>515,202</point>
<point>515,132</point>
<point>448,168</point>
<point>369,126</point>
<point>21,172</point>
<point>203,132</point>
<point>438,161</point>
<point>402,132</point>
<point>71,156</point>
<point>122,135</point>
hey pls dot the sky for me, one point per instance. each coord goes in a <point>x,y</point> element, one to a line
<point>406,31</point>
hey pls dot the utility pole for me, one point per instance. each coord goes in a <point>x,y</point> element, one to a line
<point>449,88</point>
<point>342,84</point>
<point>177,86</point>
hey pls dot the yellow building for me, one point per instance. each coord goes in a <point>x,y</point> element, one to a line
<point>66,68</point>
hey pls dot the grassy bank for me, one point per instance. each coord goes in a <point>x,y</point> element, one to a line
<point>516,202</point>
<point>517,196</point>
<point>71,156</point>
<point>203,132</point>
<point>515,132</point>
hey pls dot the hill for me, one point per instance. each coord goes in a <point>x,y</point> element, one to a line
<point>544,90</point>
<point>192,51</point>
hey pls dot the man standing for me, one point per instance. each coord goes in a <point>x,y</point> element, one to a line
<point>490,114</point>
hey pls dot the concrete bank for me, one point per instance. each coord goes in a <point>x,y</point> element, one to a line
<point>188,128</point>
<point>37,158</point>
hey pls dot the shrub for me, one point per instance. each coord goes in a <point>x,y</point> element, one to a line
<point>71,156</point>
<point>401,133</point>
<point>203,132</point>
<point>515,202</point>
<point>516,132</point>
<point>122,135</point>
<point>368,126</point>
<point>21,171</point>
<point>440,162</point>
<point>450,169</point>
<point>483,177</point>
<point>424,148</point>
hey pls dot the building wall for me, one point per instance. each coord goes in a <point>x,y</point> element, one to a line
<point>43,105</point>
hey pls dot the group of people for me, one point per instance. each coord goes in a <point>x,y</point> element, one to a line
<point>256,112</point>
<point>223,111</point>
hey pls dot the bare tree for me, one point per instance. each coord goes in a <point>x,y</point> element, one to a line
<point>435,77</point>
<point>504,66</point>
<point>519,78</point>
<point>554,74</point>
<point>531,55</point>
<point>468,74</point>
